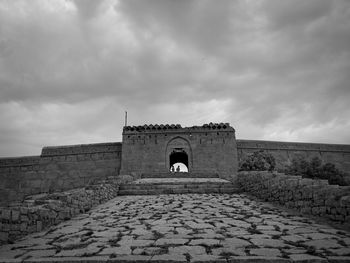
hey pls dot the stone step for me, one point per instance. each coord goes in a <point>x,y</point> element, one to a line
<point>180,175</point>
<point>174,186</point>
<point>213,190</point>
<point>153,186</point>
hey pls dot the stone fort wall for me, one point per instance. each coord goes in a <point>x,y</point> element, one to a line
<point>284,152</point>
<point>57,169</point>
<point>67,167</point>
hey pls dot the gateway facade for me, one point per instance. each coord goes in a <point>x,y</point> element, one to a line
<point>210,148</point>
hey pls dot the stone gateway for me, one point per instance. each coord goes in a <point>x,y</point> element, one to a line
<point>210,148</point>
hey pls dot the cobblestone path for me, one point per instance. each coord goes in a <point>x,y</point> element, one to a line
<point>184,228</point>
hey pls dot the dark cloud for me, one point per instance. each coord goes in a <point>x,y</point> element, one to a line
<point>275,69</point>
<point>282,15</point>
<point>87,8</point>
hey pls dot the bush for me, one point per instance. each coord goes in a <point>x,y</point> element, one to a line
<point>315,170</point>
<point>259,161</point>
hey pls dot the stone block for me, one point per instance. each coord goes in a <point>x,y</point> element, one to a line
<point>307,258</point>
<point>337,259</point>
<point>35,183</point>
<point>63,215</point>
<point>23,227</point>
<point>345,201</point>
<point>15,215</point>
<point>315,210</point>
<point>23,210</point>
<point>31,228</point>
<point>39,226</point>
<point>14,227</point>
<point>255,259</point>
<point>4,236</point>
<point>6,214</point>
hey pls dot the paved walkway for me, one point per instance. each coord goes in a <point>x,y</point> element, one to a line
<point>184,228</point>
<point>179,180</point>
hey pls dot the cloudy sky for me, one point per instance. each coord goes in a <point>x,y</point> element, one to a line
<point>276,70</point>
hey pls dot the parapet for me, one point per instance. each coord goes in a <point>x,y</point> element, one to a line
<point>292,146</point>
<point>19,161</point>
<point>177,128</point>
<point>81,149</point>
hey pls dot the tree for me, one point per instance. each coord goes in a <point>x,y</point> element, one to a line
<point>314,169</point>
<point>259,161</point>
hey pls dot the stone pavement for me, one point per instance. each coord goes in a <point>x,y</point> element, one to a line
<point>179,180</point>
<point>184,228</point>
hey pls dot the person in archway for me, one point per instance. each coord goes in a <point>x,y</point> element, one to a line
<point>172,169</point>
<point>178,169</point>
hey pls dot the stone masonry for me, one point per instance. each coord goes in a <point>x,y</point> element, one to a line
<point>184,228</point>
<point>207,148</point>
<point>58,168</point>
<point>309,196</point>
<point>42,211</point>
<point>210,148</point>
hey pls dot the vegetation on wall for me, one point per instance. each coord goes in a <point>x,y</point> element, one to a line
<point>259,161</point>
<point>316,170</point>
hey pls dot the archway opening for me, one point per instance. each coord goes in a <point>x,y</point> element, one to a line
<point>180,167</point>
<point>178,161</point>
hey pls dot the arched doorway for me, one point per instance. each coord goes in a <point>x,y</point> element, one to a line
<point>178,152</point>
<point>179,160</point>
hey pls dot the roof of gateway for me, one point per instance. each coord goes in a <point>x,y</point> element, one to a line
<point>166,127</point>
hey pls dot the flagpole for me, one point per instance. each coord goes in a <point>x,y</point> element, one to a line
<point>126,118</point>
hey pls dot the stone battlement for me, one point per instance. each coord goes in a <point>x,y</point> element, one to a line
<point>176,128</point>
<point>81,149</point>
<point>297,146</point>
<point>19,161</point>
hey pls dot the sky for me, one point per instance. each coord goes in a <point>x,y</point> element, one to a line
<point>275,70</point>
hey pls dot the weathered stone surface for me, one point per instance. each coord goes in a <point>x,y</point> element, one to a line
<point>208,258</point>
<point>344,251</point>
<point>40,253</point>
<point>40,211</point>
<point>310,197</point>
<point>114,229</point>
<point>266,252</point>
<point>322,243</point>
<point>233,243</point>
<point>122,250</point>
<point>268,242</point>
<point>207,242</point>
<point>168,241</point>
<point>57,169</point>
<point>168,258</point>
<point>192,250</point>
<point>339,259</point>
<point>144,148</point>
<point>307,258</point>
<point>256,259</point>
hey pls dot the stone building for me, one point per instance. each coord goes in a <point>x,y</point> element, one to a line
<point>210,148</point>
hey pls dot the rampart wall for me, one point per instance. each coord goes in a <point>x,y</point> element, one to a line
<point>57,169</point>
<point>308,196</point>
<point>284,152</point>
<point>67,167</point>
<point>41,211</point>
